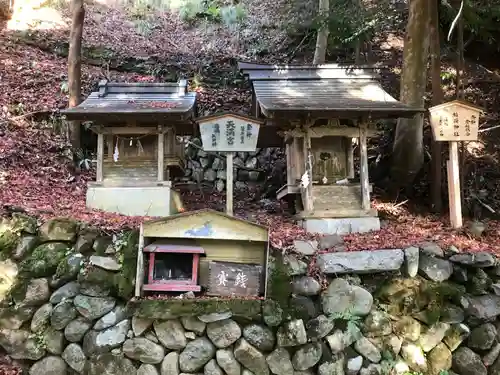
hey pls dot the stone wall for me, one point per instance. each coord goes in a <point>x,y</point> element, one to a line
<point>66,308</point>
<point>250,168</point>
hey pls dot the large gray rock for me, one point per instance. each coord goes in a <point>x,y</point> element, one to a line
<point>411,261</point>
<point>37,292</point>
<point>259,336</point>
<point>20,344</point>
<point>377,323</point>
<point>250,357</point>
<point>340,340</point>
<point>481,259</point>
<point>305,247</point>
<point>54,341</point>
<point>93,307</point>
<point>41,317</point>
<point>294,266</point>
<point>76,329</point>
<point>109,364</point>
<point>366,348</point>
<point>485,307</point>
<point>140,325</point>
<point>307,356</point>
<point>69,290</point>
<point>223,333</point>
<point>215,317</point>
<point>106,263</point>
<point>466,362</point>
<point>344,298</point>
<point>279,362</point>
<point>192,323</point>
<point>306,286</point>
<point>196,354</point>
<point>118,314</point>
<point>227,361</point>
<point>332,367</point>
<point>482,337</point>
<point>212,368</point>
<point>170,364</point>
<point>143,350</point>
<point>75,357</point>
<point>62,314</point>
<point>98,342</point>
<point>51,365</point>
<point>147,369</point>
<point>272,313</point>
<point>59,229</point>
<point>360,261</point>
<point>171,334</point>
<point>319,327</point>
<point>292,333</point>
<point>435,269</point>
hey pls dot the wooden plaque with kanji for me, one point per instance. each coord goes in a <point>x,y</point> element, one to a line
<point>234,279</point>
<point>455,121</point>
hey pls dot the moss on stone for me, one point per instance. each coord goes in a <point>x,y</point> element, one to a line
<point>174,308</point>
<point>9,237</point>
<point>125,279</point>
<point>59,229</point>
<point>44,260</point>
<point>418,296</point>
<point>280,289</point>
<point>120,283</point>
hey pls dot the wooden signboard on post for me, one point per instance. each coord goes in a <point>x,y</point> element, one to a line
<point>229,133</point>
<point>234,279</point>
<point>454,122</point>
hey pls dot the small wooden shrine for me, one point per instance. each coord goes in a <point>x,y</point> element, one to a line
<point>137,149</point>
<point>202,251</point>
<point>323,113</point>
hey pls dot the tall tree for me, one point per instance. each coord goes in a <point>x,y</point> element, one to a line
<point>408,151</point>
<point>437,98</point>
<point>323,32</point>
<point>75,66</point>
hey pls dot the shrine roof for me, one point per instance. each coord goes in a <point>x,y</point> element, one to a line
<point>206,223</point>
<point>329,90</point>
<point>140,101</point>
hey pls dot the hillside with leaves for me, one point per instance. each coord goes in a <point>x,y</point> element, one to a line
<point>201,41</point>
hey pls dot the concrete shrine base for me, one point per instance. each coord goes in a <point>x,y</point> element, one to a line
<point>340,225</point>
<point>131,201</point>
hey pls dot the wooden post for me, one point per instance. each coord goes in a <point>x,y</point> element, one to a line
<point>363,153</point>
<point>307,195</point>
<point>139,274</point>
<point>100,156</point>
<point>350,157</point>
<point>454,187</point>
<point>161,154</point>
<point>229,183</point>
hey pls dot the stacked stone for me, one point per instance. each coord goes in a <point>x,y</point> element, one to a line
<point>435,311</point>
<point>390,311</point>
<point>249,167</point>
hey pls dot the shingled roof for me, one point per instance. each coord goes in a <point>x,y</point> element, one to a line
<point>139,101</point>
<point>328,90</point>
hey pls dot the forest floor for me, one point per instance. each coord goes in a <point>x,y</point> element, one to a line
<point>38,176</point>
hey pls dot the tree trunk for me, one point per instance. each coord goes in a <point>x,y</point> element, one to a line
<point>437,98</point>
<point>408,151</point>
<point>75,67</point>
<point>323,32</point>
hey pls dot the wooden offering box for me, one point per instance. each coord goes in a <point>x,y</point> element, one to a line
<point>173,268</point>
